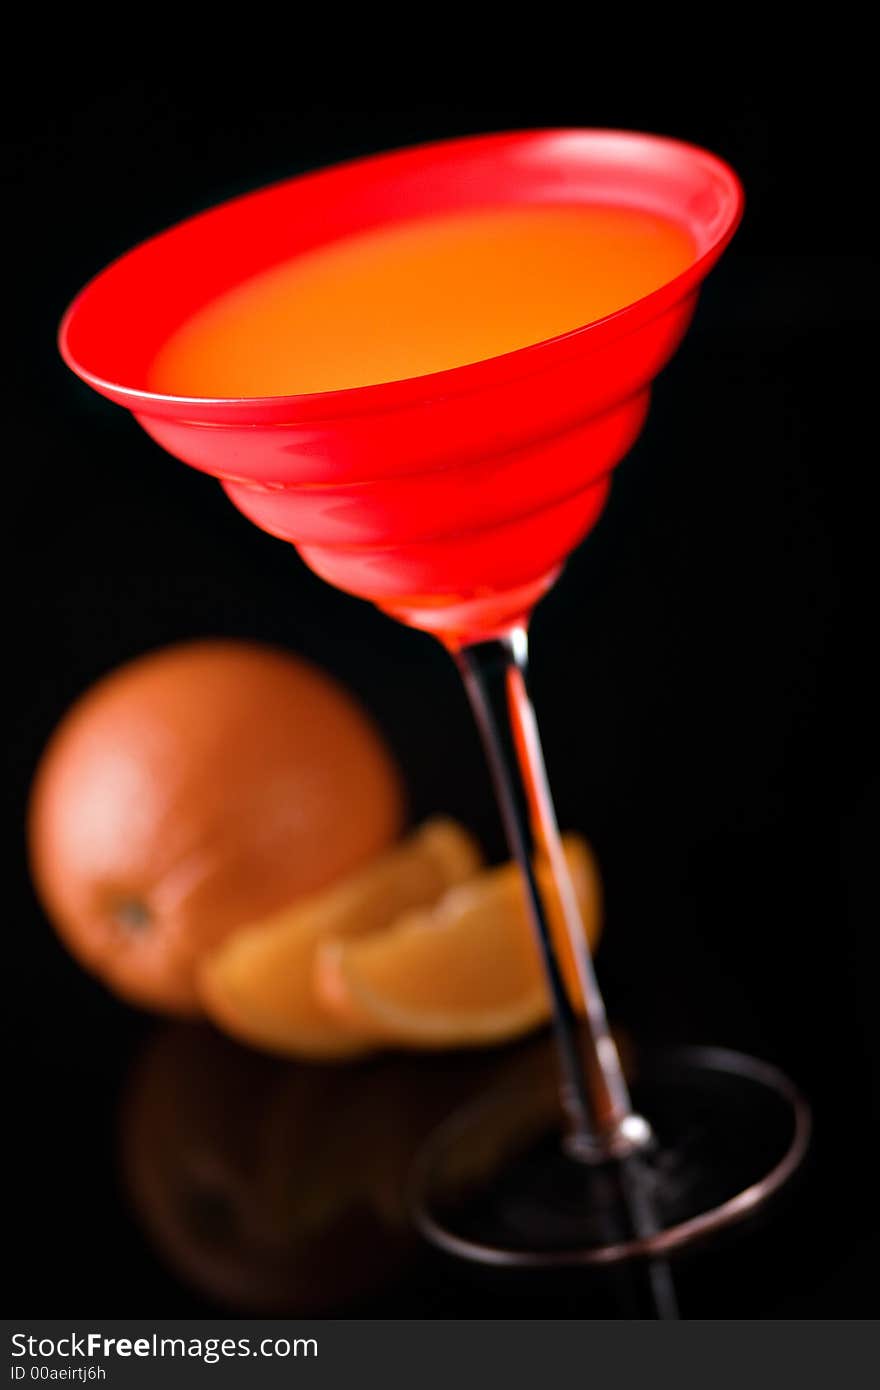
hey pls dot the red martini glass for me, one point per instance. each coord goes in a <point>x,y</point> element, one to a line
<point>451,501</point>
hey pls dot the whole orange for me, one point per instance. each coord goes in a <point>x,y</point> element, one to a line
<point>193,790</point>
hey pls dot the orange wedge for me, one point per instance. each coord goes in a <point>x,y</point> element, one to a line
<point>259,984</point>
<point>463,971</point>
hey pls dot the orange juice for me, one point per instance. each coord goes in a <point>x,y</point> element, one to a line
<point>420,296</point>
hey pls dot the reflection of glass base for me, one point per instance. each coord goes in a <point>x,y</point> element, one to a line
<point>495,1184</point>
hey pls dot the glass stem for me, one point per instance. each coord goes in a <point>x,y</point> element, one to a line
<point>594,1091</point>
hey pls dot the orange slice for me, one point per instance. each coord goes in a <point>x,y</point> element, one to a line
<point>463,971</point>
<point>258,985</point>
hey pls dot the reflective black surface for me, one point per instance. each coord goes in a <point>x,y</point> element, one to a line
<point>501,1182</point>
<point>710,726</point>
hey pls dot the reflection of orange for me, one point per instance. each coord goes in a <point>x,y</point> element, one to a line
<point>275,1187</point>
<point>193,789</point>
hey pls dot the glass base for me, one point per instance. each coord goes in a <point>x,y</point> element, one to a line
<point>497,1183</point>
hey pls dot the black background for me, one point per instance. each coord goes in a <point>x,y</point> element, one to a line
<point>702,670</point>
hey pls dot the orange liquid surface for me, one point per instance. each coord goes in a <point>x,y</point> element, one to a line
<point>420,296</point>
